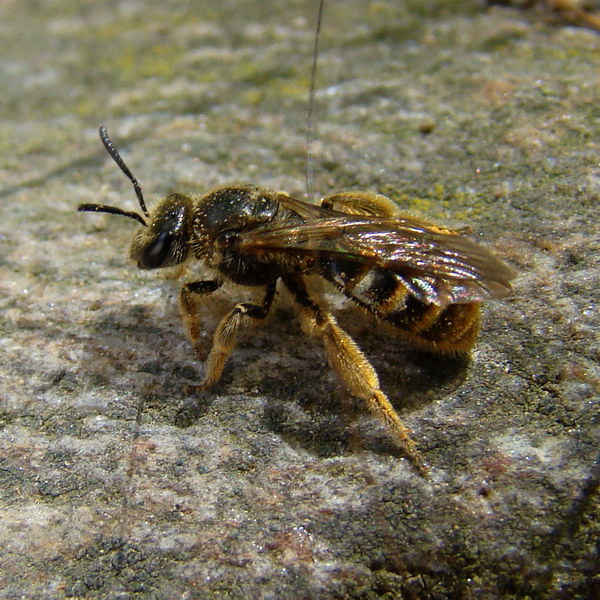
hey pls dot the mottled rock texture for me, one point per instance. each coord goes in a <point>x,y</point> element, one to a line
<point>117,482</point>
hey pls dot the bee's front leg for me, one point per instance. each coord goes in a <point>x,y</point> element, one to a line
<point>189,306</point>
<point>226,334</point>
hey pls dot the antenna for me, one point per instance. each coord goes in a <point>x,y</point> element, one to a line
<point>310,126</point>
<point>114,154</point>
<point>114,210</point>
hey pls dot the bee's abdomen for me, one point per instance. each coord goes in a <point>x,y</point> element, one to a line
<point>449,329</point>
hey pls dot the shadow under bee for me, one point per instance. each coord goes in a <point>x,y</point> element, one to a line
<point>301,399</point>
<point>423,280</point>
<point>305,404</point>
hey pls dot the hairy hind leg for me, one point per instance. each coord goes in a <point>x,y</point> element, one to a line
<point>226,333</point>
<point>361,203</point>
<point>351,365</point>
<point>370,204</point>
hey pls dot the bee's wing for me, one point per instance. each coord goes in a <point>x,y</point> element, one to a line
<point>437,266</point>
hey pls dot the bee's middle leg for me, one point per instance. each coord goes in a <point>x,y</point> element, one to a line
<point>352,366</point>
<point>226,333</point>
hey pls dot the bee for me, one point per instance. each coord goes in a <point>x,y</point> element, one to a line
<point>425,281</point>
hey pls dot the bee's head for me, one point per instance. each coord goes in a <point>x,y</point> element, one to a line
<point>163,240</point>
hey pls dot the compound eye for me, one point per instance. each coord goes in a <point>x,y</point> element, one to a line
<point>155,255</point>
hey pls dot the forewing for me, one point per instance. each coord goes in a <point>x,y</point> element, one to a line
<point>437,266</point>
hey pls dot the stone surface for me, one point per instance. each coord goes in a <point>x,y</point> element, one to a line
<point>116,482</point>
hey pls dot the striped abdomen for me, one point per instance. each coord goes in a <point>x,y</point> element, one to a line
<point>449,329</point>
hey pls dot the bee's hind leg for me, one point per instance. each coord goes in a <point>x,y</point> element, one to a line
<point>225,337</point>
<point>361,203</point>
<point>351,365</point>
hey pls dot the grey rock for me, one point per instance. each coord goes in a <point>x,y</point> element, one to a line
<point>117,482</point>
